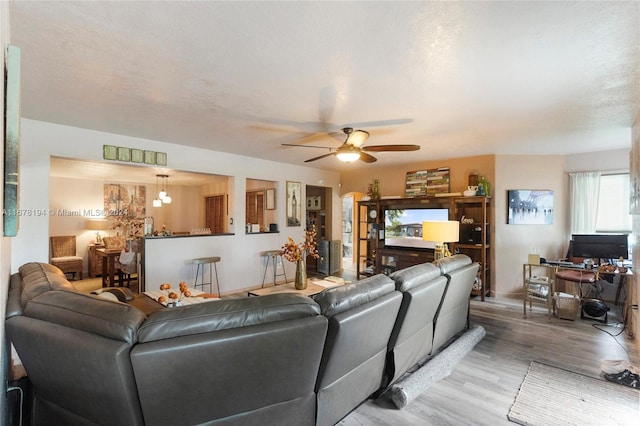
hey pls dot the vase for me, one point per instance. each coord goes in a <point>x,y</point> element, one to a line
<point>301,275</point>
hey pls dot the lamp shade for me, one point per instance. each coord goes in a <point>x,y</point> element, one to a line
<point>96,224</point>
<point>446,231</point>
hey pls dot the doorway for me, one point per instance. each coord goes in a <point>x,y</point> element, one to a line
<point>349,202</point>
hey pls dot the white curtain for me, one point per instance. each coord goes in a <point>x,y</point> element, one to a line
<point>584,187</point>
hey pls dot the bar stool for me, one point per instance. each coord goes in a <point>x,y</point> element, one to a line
<point>273,255</point>
<point>213,263</point>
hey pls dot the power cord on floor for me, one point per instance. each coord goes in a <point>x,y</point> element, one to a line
<point>624,326</point>
<point>14,388</point>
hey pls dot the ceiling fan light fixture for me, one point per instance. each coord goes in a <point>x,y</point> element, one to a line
<point>348,154</point>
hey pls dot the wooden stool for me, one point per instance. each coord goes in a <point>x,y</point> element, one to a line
<point>273,255</point>
<point>213,263</point>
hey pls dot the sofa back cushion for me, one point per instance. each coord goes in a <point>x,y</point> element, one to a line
<point>250,361</point>
<point>415,275</point>
<point>453,314</point>
<point>38,278</point>
<point>411,341</point>
<point>343,298</point>
<point>361,316</point>
<point>113,320</point>
<point>225,314</point>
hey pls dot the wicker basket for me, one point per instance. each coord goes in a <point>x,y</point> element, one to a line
<point>566,305</point>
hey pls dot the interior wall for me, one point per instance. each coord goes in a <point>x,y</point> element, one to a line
<point>512,243</point>
<point>393,178</point>
<point>5,243</point>
<point>42,140</point>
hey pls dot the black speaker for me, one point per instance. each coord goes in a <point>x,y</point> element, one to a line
<point>273,227</point>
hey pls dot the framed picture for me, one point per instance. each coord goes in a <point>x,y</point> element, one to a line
<point>12,143</point>
<point>150,157</point>
<point>294,203</point>
<point>270,203</point>
<point>426,183</point>
<point>161,158</point>
<point>124,154</point>
<point>529,207</point>
<point>109,152</point>
<point>137,155</point>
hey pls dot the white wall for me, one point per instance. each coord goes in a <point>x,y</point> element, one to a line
<point>40,140</point>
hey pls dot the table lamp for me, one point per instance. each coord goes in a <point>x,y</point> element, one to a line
<point>97,225</point>
<point>441,233</point>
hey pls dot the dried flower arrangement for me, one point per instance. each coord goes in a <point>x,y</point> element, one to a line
<point>308,247</point>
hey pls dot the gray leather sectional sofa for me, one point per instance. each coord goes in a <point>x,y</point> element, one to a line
<point>269,360</point>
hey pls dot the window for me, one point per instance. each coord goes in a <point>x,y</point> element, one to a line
<point>613,204</point>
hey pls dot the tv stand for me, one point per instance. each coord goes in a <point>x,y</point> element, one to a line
<point>392,259</point>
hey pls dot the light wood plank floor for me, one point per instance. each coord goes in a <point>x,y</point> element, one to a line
<point>482,388</point>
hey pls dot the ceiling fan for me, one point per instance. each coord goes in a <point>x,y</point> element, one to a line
<point>352,149</point>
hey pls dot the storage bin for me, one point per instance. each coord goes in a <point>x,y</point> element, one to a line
<point>566,305</point>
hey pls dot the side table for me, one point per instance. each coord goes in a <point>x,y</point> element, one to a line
<point>95,260</point>
<point>538,288</point>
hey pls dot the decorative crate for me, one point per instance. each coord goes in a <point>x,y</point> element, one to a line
<point>567,305</point>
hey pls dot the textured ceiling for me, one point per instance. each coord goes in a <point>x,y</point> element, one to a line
<point>457,78</point>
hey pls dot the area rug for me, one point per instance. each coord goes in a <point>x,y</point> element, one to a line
<point>553,396</point>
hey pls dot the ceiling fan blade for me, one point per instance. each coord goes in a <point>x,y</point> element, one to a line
<point>367,158</point>
<point>306,146</point>
<point>318,158</point>
<point>382,122</point>
<point>381,148</point>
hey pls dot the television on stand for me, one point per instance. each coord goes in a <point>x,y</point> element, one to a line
<point>403,227</point>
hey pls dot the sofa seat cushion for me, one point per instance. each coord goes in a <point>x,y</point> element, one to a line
<point>343,298</point>
<point>415,276</point>
<point>225,314</point>
<point>38,278</point>
<point>113,320</point>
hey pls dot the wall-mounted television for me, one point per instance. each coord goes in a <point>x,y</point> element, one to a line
<point>599,246</point>
<point>403,227</point>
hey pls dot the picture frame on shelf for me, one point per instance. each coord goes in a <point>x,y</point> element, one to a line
<point>529,207</point>
<point>294,203</point>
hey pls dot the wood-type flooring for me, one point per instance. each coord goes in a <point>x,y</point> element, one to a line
<point>482,388</point>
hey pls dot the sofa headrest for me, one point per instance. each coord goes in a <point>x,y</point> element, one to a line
<point>452,263</point>
<point>38,278</point>
<point>334,300</point>
<point>415,275</point>
<point>225,314</point>
<point>113,320</point>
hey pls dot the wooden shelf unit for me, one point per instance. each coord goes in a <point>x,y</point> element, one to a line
<point>374,258</point>
<point>473,215</point>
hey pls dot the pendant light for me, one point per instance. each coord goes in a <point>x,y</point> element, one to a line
<point>166,199</point>
<point>157,202</point>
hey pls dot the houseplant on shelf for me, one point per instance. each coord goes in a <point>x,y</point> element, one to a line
<point>298,253</point>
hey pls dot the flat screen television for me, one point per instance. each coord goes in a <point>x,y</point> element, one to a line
<point>403,227</point>
<point>600,246</point>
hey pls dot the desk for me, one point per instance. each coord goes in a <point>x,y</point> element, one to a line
<point>109,266</point>
<point>592,277</point>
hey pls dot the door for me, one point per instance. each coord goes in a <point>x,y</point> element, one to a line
<point>215,213</point>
